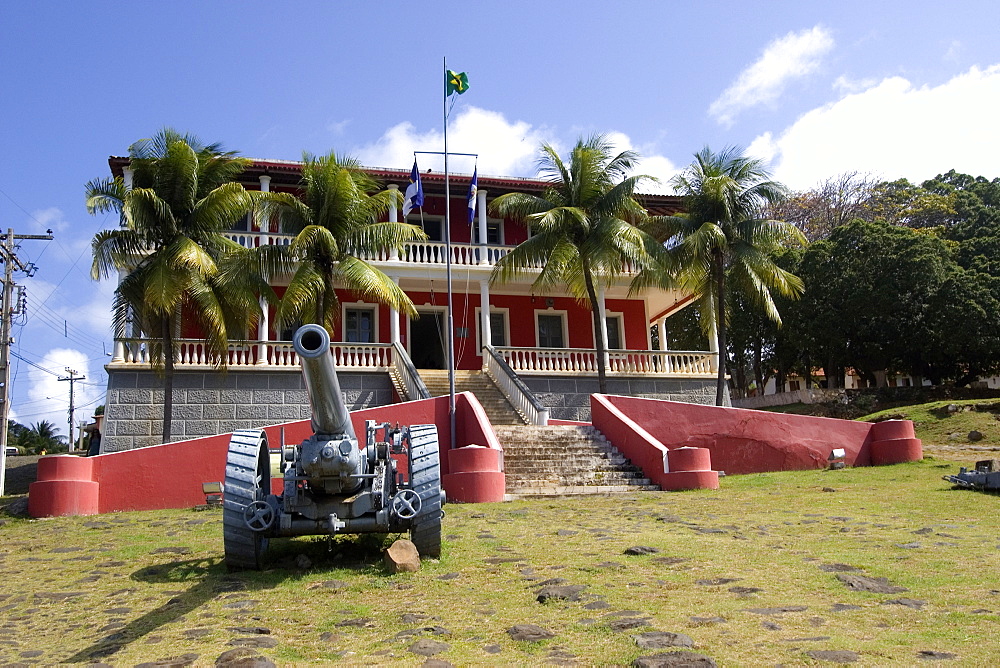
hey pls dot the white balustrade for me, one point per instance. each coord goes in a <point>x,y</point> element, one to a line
<point>620,362</point>
<point>244,354</point>
<point>256,239</point>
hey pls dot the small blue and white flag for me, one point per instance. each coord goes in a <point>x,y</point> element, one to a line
<point>414,195</point>
<point>473,189</point>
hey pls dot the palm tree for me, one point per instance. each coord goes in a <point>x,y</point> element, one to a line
<point>171,243</point>
<point>43,437</point>
<point>723,243</point>
<point>587,228</point>
<point>336,223</point>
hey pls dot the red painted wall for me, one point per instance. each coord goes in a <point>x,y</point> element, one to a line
<point>171,476</point>
<point>747,441</point>
<point>641,447</point>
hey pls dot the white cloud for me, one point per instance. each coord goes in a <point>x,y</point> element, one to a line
<point>505,148</point>
<point>955,51</point>
<point>49,397</point>
<point>793,56</point>
<point>894,129</point>
<point>336,128</point>
<point>844,85</point>
<point>48,219</point>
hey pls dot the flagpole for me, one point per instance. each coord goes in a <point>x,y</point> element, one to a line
<point>447,239</point>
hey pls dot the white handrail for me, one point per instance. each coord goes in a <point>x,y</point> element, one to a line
<point>413,384</point>
<point>519,395</point>
<point>620,362</point>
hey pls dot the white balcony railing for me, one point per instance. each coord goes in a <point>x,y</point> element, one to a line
<point>193,353</point>
<point>271,355</point>
<point>417,252</point>
<point>620,362</point>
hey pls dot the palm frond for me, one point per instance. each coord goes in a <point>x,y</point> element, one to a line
<point>364,279</point>
<point>104,195</point>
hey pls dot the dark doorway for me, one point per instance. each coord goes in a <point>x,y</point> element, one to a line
<point>427,344</point>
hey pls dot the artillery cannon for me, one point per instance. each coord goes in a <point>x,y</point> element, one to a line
<point>986,476</point>
<point>331,485</point>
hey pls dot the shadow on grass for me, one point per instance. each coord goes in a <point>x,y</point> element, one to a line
<point>208,578</point>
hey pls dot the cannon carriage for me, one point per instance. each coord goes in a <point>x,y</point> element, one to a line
<point>331,484</point>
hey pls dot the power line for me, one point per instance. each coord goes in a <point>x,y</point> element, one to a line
<point>12,263</point>
<point>37,366</point>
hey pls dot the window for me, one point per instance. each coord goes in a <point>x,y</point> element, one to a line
<point>359,325</point>
<point>614,341</point>
<point>499,331</point>
<point>550,331</point>
<point>494,232</point>
<point>288,332</point>
<point>794,386</point>
<point>433,226</point>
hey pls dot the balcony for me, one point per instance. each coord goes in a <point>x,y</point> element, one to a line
<point>416,252</point>
<point>192,354</point>
<point>583,361</point>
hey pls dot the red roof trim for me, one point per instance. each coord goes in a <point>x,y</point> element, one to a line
<point>662,203</point>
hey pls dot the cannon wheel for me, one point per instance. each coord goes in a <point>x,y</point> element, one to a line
<point>248,479</point>
<point>425,480</point>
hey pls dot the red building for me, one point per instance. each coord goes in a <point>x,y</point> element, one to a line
<point>545,340</point>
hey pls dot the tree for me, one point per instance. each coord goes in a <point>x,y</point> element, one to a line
<point>871,298</point>
<point>721,240</point>
<point>171,244</point>
<point>587,227</point>
<point>336,223</point>
<point>835,201</point>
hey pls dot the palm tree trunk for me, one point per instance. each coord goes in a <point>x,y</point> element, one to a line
<point>601,346</point>
<point>168,377</point>
<point>720,324</point>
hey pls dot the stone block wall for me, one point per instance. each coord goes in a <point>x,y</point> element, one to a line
<point>568,397</point>
<point>208,403</point>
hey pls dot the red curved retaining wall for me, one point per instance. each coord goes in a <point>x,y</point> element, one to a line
<point>689,469</point>
<point>171,475</point>
<point>748,441</point>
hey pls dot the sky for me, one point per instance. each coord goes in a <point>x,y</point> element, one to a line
<point>888,89</point>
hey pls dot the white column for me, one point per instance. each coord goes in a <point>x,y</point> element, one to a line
<point>119,351</point>
<point>262,328</point>
<point>486,330</point>
<point>481,209</point>
<point>661,331</point>
<point>262,225</point>
<point>713,346</point>
<point>394,218</point>
<point>394,317</point>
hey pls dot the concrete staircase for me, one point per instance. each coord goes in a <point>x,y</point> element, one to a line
<point>497,408</point>
<point>565,460</point>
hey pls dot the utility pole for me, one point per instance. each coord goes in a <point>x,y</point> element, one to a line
<point>72,379</point>
<point>12,263</point>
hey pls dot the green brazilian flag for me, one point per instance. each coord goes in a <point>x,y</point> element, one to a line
<point>457,82</point>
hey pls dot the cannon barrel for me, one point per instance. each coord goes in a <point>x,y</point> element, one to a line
<point>329,413</point>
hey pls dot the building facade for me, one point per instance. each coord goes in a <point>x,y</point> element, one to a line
<point>542,344</point>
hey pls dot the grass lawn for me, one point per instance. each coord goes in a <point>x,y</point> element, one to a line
<point>949,422</point>
<point>749,572</point>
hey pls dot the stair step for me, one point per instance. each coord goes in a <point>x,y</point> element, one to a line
<point>561,460</point>
<point>575,490</point>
